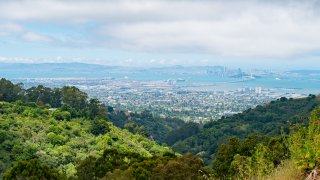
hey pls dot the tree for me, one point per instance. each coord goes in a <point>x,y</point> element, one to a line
<point>186,167</point>
<point>224,157</point>
<point>44,95</point>
<point>10,92</point>
<point>61,115</point>
<point>99,126</point>
<point>96,109</point>
<point>183,132</point>
<point>73,97</point>
<point>56,99</point>
<point>96,168</point>
<point>39,94</point>
<point>271,120</point>
<point>254,156</point>
<point>304,143</point>
<point>32,170</point>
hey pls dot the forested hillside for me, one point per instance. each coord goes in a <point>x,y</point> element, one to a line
<point>78,104</point>
<point>292,156</point>
<point>145,123</point>
<point>272,119</point>
<point>63,134</point>
<point>75,140</point>
<point>28,131</point>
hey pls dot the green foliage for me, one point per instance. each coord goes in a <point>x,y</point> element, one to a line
<point>270,120</point>
<point>74,97</point>
<point>61,115</point>
<point>56,139</point>
<point>68,98</point>
<point>44,95</point>
<point>99,126</point>
<point>187,167</point>
<point>31,170</point>
<point>76,140</point>
<point>256,166</point>
<point>59,143</point>
<point>96,109</point>
<point>304,143</point>
<point>10,92</point>
<point>115,165</point>
<point>252,157</point>
<point>145,124</point>
<point>86,169</point>
<point>135,129</point>
<point>95,168</point>
<point>186,130</point>
<point>73,103</point>
<point>301,147</point>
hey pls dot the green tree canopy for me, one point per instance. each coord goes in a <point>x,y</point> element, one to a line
<point>32,170</point>
<point>10,92</point>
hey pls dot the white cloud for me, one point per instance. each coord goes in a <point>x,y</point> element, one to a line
<point>6,59</point>
<point>10,28</point>
<point>246,28</point>
<point>245,36</point>
<point>35,37</point>
<point>20,59</point>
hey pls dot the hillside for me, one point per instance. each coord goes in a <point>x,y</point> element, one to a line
<point>292,156</point>
<point>271,119</point>
<point>145,123</point>
<point>63,134</point>
<point>28,131</point>
<point>78,103</point>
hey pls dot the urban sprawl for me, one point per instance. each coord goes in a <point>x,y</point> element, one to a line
<point>174,98</point>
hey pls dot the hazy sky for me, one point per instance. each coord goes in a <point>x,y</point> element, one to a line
<point>239,33</point>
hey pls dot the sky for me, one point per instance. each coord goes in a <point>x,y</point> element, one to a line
<point>238,33</point>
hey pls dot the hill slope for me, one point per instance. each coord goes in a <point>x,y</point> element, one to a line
<point>28,131</point>
<point>145,123</point>
<point>271,120</point>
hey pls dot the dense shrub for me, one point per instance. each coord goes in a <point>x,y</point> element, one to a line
<point>252,157</point>
<point>99,126</point>
<point>304,143</point>
<point>273,119</point>
<point>32,170</point>
<point>61,115</point>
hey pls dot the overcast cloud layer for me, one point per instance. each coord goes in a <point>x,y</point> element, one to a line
<point>242,29</point>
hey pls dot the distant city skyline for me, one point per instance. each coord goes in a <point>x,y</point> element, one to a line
<point>280,35</point>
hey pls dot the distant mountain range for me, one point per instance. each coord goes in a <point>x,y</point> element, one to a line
<point>53,70</point>
<point>76,70</point>
<point>82,70</point>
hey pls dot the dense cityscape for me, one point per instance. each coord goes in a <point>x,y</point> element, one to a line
<point>173,98</point>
